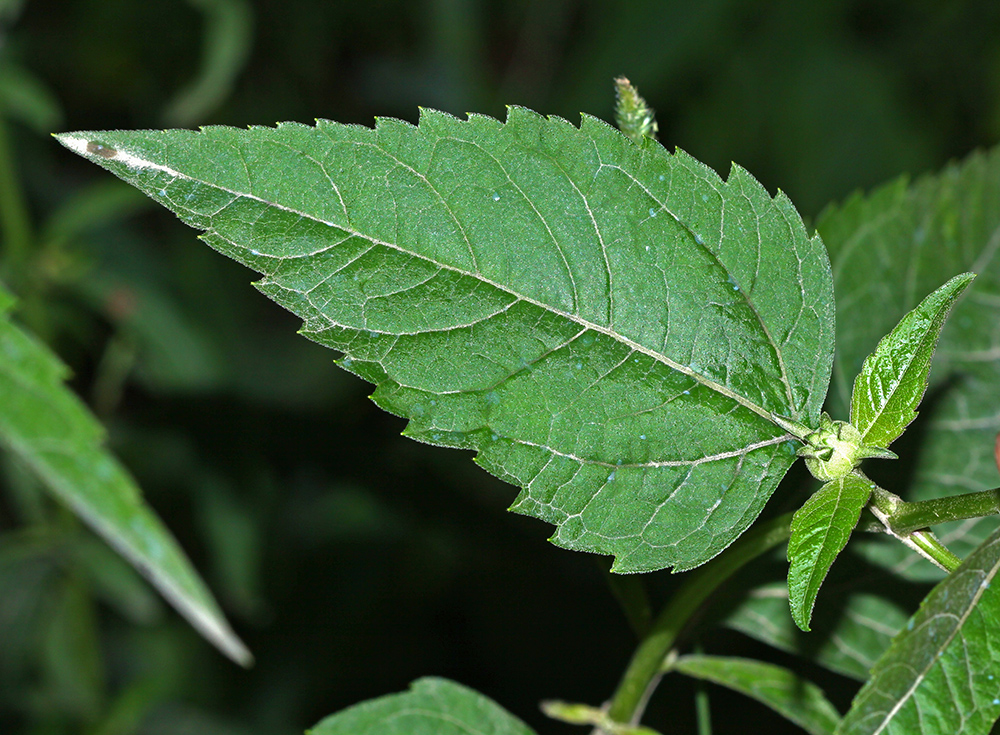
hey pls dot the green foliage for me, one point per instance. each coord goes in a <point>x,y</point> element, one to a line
<point>538,294</point>
<point>851,627</point>
<point>47,427</point>
<point>887,391</point>
<point>820,530</point>
<point>934,226</point>
<point>782,690</point>
<point>893,379</point>
<point>263,461</point>
<point>940,674</point>
<point>938,224</point>
<point>504,307</point>
<point>431,707</point>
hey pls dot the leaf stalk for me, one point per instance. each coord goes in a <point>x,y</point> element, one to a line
<point>885,505</point>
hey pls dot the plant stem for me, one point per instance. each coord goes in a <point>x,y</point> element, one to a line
<point>885,505</point>
<point>646,661</point>
<point>921,514</point>
<point>934,550</point>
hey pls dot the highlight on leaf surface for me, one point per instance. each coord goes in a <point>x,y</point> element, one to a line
<point>608,325</point>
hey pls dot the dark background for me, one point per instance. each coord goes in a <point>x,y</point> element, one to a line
<point>351,560</point>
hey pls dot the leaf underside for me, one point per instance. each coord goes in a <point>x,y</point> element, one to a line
<point>820,530</point>
<point>607,325</point>
<point>46,426</point>
<point>432,706</point>
<point>939,675</point>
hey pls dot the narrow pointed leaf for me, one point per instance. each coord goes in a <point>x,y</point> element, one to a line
<point>940,674</point>
<point>794,698</point>
<point>820,530</point>
<point>44,424</point>
<point>607,325</point>
<point>432,706</point>
<point>893,378</point>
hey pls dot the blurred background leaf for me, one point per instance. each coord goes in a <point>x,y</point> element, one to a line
<point>316,523</point>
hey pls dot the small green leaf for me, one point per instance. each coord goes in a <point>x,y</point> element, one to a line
<point>608,325</point>
<point>893,378</point>
<point>940,674</point>
<point>432,706</point>
<point>50,430</point>
<point>794,698</point>
<point>890,248</point>
<point>820,530</point>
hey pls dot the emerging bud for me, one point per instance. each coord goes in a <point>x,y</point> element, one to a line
<point>835,449</point>
<point>633,115</point>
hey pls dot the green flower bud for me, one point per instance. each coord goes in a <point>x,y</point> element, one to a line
<point>835,449</point>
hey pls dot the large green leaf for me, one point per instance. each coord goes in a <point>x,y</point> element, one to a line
<point>940,674</point>
<point>782,690</point>
<point>890,248</point>
<point>893,378</point>
<point>432,706</point>
<point>45,425</point>
<point>608,325</point>
<point>820,530</point>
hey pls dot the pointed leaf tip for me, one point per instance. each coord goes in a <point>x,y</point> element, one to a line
<point>55,434</point>
<point>893,379</point>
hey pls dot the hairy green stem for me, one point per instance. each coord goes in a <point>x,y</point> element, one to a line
<point>921,514</point>
<point>928,545</point>
<point>649,656</point>
<point>884,505</point>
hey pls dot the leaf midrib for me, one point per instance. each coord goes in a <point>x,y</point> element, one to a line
<point>134,163</point>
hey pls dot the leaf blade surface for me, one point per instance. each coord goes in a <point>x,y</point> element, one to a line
<point>939,673</point>
<point>45,425</point>
<point>432,706</point>
<point>820,531</point>
<point>794,698</point>
<point>609,326</point>
<point>893,378</point>
<point>851,628</point>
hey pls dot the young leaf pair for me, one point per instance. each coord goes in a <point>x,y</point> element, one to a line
<point>886,394</point>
